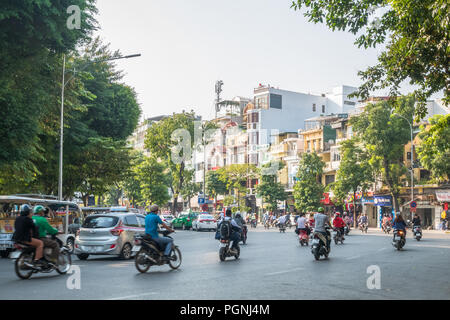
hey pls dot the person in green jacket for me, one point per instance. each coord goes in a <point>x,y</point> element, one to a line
<point>45,228</point>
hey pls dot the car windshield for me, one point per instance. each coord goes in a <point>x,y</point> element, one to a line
<point>100,222</point>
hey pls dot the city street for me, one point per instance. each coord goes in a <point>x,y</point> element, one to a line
<point>272,266</point>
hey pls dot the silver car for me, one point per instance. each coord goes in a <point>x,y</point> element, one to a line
<point>109,234</point>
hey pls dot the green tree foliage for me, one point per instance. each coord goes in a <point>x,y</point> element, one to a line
<point>384,137</point>
<point>215,186</point>
<point>416,35</point>
<point>308,190</point>
<point>269,188</point>
<point>434,149</point>
<point>153,181</point>
<point>33,34</point>
<point>354,171</point>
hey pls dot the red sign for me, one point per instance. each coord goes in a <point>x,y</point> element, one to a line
<point>326,199</point>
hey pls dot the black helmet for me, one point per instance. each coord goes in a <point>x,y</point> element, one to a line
<point>228,212</point>
<point>25,210</point>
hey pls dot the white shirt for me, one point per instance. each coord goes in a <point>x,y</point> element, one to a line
<point>282,219</point>
<point>301,223</point>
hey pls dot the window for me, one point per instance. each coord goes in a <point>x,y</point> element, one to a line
<point>100,222</point>
<point>314,107</point>
<point>275,101</point>
<point>323,109</point>
<point>131,221</point>
<point>141,221</point>
<point>350,103</point>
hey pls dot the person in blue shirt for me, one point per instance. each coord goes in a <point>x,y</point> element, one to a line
<point>151,228</point>
<point>399,223</point>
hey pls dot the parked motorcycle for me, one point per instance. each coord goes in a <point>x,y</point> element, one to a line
<point>303,238</point>
<point>24,266</point>
<point>338,236</point>
<point>417,231</point>
<point>399,239</point>
<point>149,253</point>
<point>225,250</point>
<point>319,248</point>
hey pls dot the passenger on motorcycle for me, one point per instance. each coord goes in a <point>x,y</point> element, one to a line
<point>385,221</point>
<point>302,225</point>
<point>399,223</point>
<point>282,220</point>
<point>235,236</point>
<point>416,221</point>
<point>339,223</point>
<point>321,220</point>
<point>26,232</point>
<point>45,228</point>
<point>151,229</point>
<point>362,219</point>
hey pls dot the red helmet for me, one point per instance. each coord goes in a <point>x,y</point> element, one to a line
<point>338,213</point>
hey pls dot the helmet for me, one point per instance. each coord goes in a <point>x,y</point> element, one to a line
<point>228,212</point>
<point>154,208</point>
<point>25,210</point>
<point>320,209</point>
<point>238,214</point>
<point>38,209</point>
<point>338,213</point>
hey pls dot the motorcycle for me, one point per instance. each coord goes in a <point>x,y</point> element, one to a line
<point>149,253</point>
<point>225,250</point>
<point>363,227</point>
<point>346,230</point>
<point>318,247</point>
<point>24,266</point>
<point>253,223</point>
<point>387,228</point>
<point>338,236</point>
<point>303,238</point>
<point>267,224</point>
<point>282,227</point>
<point>244,234</point>
<point>417,231</point>
<point>289,223</point>
<point>399,239</point>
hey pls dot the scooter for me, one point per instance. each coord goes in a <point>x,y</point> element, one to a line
<point>338,236</point>
<point>363,227</point>
<point>319,248</point>
<point>346,230</point>
<point>303,238</point>
<point>244,234</point>
<point>399,239</point>
<point>149,253</point>
<point>417,231</point>
<point>225,250</point>
<point>24,266</point>
<point>282,227</point>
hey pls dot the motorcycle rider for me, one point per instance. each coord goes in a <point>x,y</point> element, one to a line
<point>399,223</point>
<point>45,228</point>
<point>26,232</point>
<point>339,224</point>
<point>151,229</point>
<point>302,224</point>
<point>362,220</point>
<point>235,230</point>
<point>240,221</point>
<point>416,221</point>
<point>321,220</point>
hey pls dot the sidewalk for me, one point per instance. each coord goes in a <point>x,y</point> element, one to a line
<point>437,234</point>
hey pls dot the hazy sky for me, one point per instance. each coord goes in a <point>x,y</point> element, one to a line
<point>187,45</point>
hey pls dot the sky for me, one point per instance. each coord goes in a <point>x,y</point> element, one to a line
<point>187,45</point>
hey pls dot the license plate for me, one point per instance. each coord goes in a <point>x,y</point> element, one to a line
<point>136,248</point>
<point>222,245</point>
<point>14,255</point>
<point>315,241</point>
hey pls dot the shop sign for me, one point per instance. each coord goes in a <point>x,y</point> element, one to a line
<point>443,195</point>
<point>384,201</point>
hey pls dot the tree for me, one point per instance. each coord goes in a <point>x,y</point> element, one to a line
<point>33,35</point>
<point>434,150</point>
<point>190,189</point>
<point>236,177</point>
<point>153,181</point>
<point>172,140</point>
<point>269,189</point>
<point>384,137</point>
<point>354,171</point>
<point>215,186</point>
<point>416,35</point>
<point>308,190</point>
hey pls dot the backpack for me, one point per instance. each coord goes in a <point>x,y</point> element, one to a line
<point>225,229</point>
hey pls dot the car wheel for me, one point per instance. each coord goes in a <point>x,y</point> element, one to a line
<point>125,254</point>
<point>82,256</point>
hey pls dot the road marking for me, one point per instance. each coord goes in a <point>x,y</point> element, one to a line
<point>381,249</point>
<point>281,272</point>
<point>134,296</point>
<point>354,257</point>
<point>430,246</point>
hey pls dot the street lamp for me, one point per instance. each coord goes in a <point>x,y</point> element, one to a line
<point>412,156</point>
<point>60,178</point>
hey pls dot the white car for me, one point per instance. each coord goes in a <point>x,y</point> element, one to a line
<point>204,222</point>
<point>167,218</point>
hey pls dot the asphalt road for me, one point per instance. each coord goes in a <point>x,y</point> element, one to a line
<point>272,266</point>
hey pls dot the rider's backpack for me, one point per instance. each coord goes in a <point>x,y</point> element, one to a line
<point>225,229</point>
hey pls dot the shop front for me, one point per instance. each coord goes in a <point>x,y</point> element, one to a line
<point>384,206</point>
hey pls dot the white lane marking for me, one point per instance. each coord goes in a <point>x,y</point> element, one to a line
<point>354,257</point>
<point>381,249</point>
<point>430,246</point>
<point>284,271</point>
<point>134,296</point>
